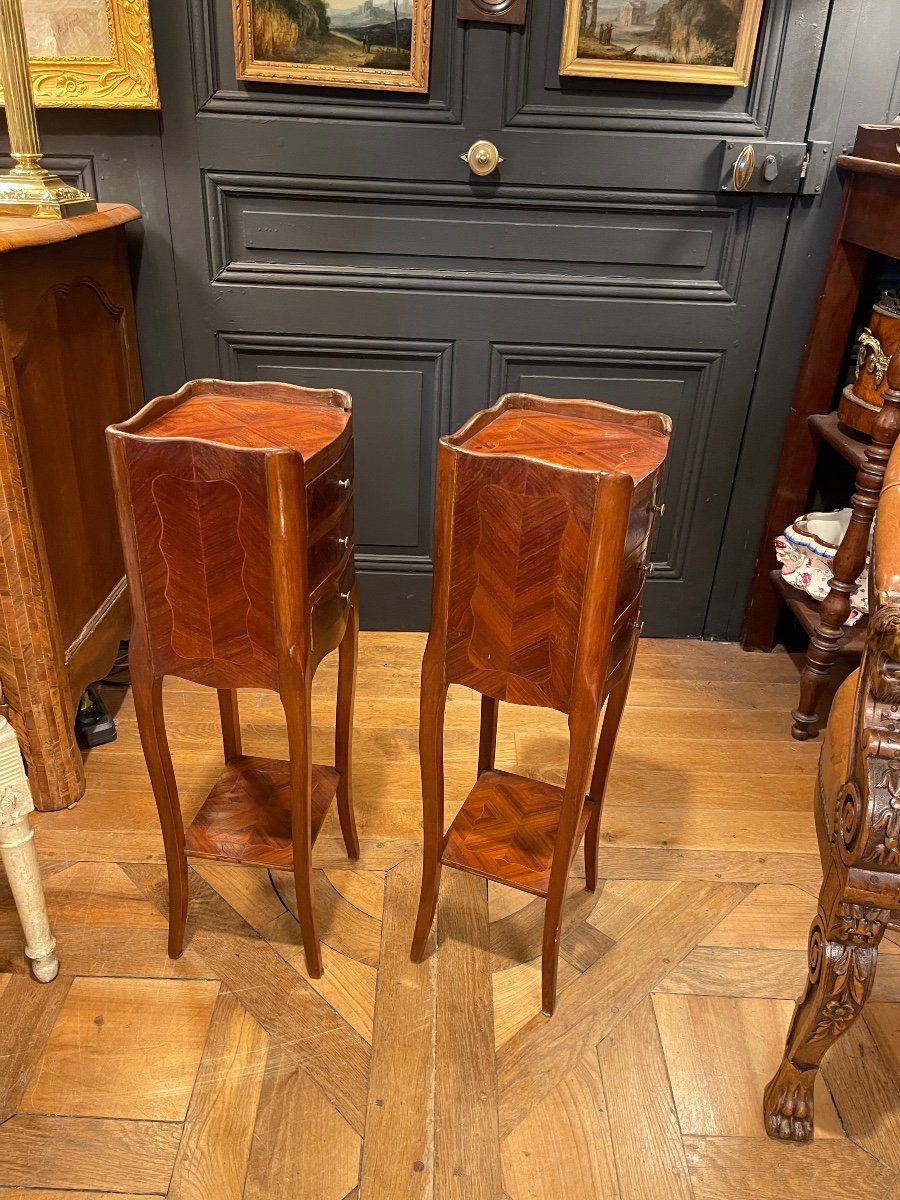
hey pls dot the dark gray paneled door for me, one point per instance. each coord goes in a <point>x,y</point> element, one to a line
<point>335,238</point>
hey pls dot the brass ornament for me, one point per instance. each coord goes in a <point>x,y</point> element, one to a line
<point>28,190</point>
<point>482,157</point>
<point>871,357</point>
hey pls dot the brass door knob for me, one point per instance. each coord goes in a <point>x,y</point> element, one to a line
<point>742,168</point>
<point>482,157</point>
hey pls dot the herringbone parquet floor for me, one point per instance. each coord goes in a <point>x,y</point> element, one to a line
<point>230,1075</point>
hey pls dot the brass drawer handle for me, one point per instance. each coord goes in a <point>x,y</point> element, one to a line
<point>344,483</point>
<point>657,509</point>
<point>344,542</point>
<point>345,596</point>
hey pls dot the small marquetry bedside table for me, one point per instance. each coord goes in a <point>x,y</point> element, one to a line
<point>545,510</point>
<point>235,504</point>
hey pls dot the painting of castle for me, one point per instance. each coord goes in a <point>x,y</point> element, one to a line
<point>697,40</point>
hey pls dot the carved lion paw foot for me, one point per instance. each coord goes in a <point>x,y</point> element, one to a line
<point>788,1104</point>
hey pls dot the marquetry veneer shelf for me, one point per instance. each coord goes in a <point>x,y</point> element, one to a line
<point>246,818</point>
<point>506,830</point>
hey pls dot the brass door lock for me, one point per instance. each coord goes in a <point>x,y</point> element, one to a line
<point>482,157</point>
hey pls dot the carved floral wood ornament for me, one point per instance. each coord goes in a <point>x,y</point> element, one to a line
<point>91,53</point>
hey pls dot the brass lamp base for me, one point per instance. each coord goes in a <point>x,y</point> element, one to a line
<point>40,193</point>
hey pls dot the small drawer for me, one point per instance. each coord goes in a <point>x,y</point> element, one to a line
<point>328,551</point>
<point>334,594</point>
<point>635,570</point>
<point>329,492</point>
<point>645,511</point>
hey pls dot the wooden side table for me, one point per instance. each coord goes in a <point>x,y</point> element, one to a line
<point>68,367</point>
<point>545,511</point>
<point>235,503</point>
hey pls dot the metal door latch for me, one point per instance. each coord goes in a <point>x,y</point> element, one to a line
<point>779,168</point>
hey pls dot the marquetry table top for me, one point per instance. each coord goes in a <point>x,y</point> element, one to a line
<point>597,442</point>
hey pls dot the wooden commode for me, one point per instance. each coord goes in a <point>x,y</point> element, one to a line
<point>68,367</point>
<point>545,510</point>
<point>235,504</point>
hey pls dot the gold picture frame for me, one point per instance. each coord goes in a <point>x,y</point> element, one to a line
<point>91,53</point>
<point>605,40</point>
<point>346,43</point>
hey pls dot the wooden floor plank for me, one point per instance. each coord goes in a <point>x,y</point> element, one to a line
<point>212,1157</point>
<point>714,971</point>
<point>88,1153</point>
<point>539,1055</point>
<point>124,1048</point>
<point>467,1149</point>
<point>725,1168</point>
<point>721,1052</point>
<point>866,1093</point>
<point>302,1148</point>
<point>334,1055</point>
<point>648,1152</point>
<point>398,1154</point>
<point>28,1012</point>
<point>563,1147</point>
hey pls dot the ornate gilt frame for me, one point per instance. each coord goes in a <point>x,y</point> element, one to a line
<point>127,79</point>
<point>737,75</point>
<point>327,75</point>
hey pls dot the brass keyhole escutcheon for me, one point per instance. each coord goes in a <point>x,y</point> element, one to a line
<point>482,157</point>
<point>742,170</point>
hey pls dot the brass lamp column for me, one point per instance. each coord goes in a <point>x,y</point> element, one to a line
<point>28,190</point>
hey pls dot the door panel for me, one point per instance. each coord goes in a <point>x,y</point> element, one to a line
<point>335,237</point>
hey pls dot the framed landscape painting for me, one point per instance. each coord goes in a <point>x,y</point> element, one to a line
<point>91,53</point>
<point>679,41</point>
<point>381,44</point>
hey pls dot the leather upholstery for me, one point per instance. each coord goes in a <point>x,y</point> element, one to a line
<point>886,556</point>
<point>835,752</point>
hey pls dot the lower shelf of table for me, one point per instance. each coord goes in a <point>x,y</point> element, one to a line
<point>246,817</point>
<point>506,831</point>
<point>806,609</point>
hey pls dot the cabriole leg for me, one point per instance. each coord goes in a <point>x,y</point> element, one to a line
<point>343,745</point>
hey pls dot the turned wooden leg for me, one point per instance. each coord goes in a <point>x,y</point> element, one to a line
<point>487,740</point>
<point>612,719</point>
<point>849,561</point>
<point>20,862</point>
<point>343,738</point>
<point>431,758</point>
<point>147,693</point>
<point>231,724</point>
<point>843,949</point>
<point>297,703</point>
<point>582,736</point>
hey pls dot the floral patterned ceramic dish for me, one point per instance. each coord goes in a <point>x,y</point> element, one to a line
<point>806,552</point>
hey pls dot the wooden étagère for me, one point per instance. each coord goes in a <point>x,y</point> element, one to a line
<point>235,503</point>
<point>544,517</point>
<point>868,222</point>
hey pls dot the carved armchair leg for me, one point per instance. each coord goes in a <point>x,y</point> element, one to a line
<point>843,949</point>
<point>20,859</point>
